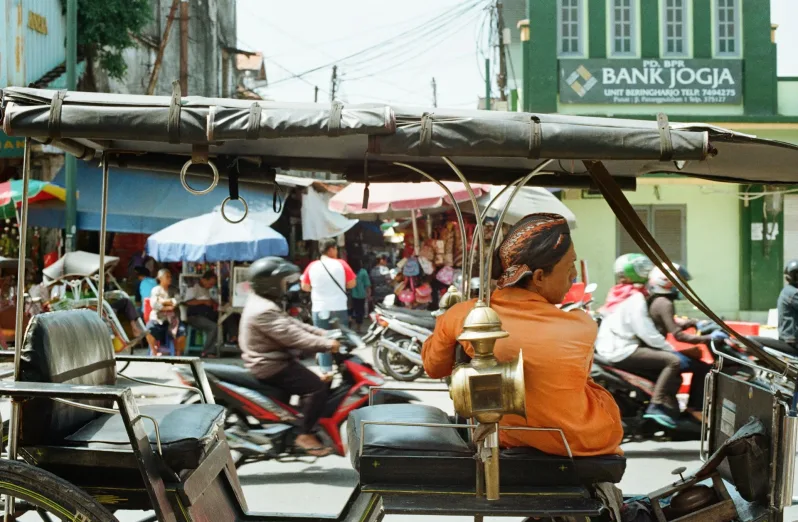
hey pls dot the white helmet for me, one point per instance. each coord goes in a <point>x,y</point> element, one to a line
<point>660,284</point>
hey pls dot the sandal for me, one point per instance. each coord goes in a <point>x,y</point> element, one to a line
<point>317,451</point>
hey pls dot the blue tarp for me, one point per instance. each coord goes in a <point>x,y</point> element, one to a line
<point>141,202</point>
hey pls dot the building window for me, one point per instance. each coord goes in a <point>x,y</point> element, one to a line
<point>727,28</point>
<point>570,27</point>
<point>674,28</point>
<point>623,28</point>
<point>667,223</point>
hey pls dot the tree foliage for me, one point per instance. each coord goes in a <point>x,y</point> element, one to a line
<point>104,29</point>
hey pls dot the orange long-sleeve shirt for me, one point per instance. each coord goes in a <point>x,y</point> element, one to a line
<point>557,350</point>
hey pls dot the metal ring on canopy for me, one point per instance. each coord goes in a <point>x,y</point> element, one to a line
<point>246,210</point>
<point>194,191</point>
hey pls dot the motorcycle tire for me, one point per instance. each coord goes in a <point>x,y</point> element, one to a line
<point>411,375</point>
<point>376,356</point>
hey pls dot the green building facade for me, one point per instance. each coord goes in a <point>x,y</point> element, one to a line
<point>695,60</point>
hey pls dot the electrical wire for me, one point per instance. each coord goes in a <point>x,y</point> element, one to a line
<point>432,43</point>
<point>394,40</point>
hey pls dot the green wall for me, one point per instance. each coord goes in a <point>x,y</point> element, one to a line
<point>540,87</point>
<point>713,248</point>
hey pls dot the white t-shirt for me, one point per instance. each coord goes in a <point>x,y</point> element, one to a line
<point>325,294</point>
<point>626,328</point>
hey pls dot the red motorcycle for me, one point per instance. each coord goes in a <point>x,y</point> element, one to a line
<point>260,422</point>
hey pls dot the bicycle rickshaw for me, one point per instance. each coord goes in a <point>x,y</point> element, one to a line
<point>81,448</point>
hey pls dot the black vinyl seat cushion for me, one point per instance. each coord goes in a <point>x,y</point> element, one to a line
<point>589,470</point>
<point>66,347</point>
<point>523,466</point>
<point>381,440</point>
<point>186,430</point>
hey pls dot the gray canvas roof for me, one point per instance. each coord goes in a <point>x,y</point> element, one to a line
<point>365,141</point>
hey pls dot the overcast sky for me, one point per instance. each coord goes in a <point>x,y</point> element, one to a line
<point>300,35</point>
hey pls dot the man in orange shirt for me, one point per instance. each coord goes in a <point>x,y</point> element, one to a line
<point>536,267</point>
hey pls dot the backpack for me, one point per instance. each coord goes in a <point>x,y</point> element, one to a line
<point>411,268</point>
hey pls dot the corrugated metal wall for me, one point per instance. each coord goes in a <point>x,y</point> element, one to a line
<point>32,41</point>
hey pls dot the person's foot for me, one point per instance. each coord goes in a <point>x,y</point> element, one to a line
<point>312,445</point>
<point>660,415</point>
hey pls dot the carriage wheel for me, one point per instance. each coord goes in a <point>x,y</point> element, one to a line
<point>37,491</point>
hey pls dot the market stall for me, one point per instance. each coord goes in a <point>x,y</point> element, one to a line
<point>432,252</point>
<point>221,239</point>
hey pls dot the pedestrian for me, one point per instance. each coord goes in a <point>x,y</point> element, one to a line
<point>381,280</point>
<point>361,294</point>
<point>202,312</point>
<point>327,279</point>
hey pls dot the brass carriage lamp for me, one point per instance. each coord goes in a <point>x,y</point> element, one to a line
<point>486,389</point>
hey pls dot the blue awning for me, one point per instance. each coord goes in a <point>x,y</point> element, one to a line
<point>140,202</point>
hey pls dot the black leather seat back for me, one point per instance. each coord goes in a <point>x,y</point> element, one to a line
<point>70,347</point>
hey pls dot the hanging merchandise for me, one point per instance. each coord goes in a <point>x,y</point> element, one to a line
<point>424,293</point>
<point>445,275</point>
<point>411,267</point>
<point>406,292</point>
<point>426,265</point>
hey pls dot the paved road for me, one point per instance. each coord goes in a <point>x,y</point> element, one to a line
<point>323,486</point>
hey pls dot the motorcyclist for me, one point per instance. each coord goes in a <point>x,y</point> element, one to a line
<point>788,307</point>
<point>270,339</point>
<point>631,340</point>
<point>631,276</point>
<point>662,295</point>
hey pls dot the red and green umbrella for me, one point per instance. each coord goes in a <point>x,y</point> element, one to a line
<point>11,195</point>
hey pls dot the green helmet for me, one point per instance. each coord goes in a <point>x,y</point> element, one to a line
<point>633,268</point>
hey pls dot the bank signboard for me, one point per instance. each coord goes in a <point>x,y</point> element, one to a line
<point>662,81</point>
<point>11,147</point>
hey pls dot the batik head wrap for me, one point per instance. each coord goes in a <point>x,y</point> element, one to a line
<point>536,241</point>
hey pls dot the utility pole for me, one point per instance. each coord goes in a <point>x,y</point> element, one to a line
<point>501,77</point>
<point>184,47</point>
<point>334,83</point>
<point>487,84</point>
<point>434,93</point>
<point>70,161</point>
<point>316,94</point>
<point>156,68</point>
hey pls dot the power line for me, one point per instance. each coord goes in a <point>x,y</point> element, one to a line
<point>394,39</point>
<point>441,36</point>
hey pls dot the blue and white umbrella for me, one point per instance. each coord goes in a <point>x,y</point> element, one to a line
<point>210,238</point>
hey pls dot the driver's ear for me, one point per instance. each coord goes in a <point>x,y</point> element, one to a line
<point>537,277</point>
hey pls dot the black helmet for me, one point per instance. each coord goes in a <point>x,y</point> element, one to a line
<point>269,277</point>
<point>791,272</point>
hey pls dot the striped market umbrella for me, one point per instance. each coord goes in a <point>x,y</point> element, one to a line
<point>11,195</point>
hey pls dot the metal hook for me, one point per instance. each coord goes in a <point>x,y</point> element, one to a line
<point>366,180</point>
<point>277,201</point>
<point>188,187</point>
<point>235,221</point>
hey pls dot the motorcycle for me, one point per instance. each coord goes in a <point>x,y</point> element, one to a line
<point>296,303</point>
<point>260,421</point>
<point>398,347</point>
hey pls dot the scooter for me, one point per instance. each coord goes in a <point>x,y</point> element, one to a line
<point>296,303</point>
<point>399,343</point>
<point>260,420</point>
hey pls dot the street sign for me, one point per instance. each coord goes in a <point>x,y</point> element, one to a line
<point>662,81</point>
<point>11,147</point>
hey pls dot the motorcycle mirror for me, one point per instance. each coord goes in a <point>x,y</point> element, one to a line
<point>589,289</point>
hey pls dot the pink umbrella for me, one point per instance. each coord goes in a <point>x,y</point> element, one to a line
<point>385,199</point>
<point>388,197</point>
